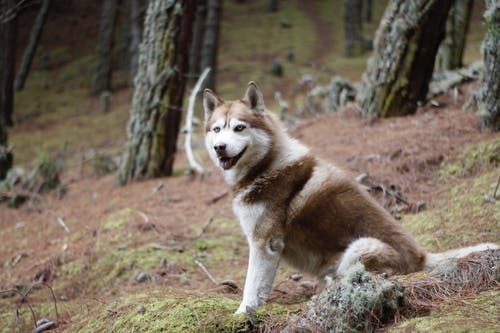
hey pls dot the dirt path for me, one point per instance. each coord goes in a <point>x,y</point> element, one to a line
<point>323,28</point>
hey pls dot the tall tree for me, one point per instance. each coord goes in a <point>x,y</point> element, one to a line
<point>211,41</point>
<point>197,39</point>
<point>353,28</point>
<point>272,6</point>
<point>7,65</point>
<point>369,10</point>
<point>489,106</point>
<point>8,41</point>
<point>398,74</point>
<point>451,50</point>
<point>29,53</point>
<point>102,75</point>
<point>159,90</point>
<point>135,38</point>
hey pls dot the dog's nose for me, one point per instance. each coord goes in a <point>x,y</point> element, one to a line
<point>220,148</point>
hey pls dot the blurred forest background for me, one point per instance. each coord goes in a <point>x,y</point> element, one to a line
<point>94,96</point>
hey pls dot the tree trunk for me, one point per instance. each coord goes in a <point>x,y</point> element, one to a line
<point>7,65</point>
<point>36,33</point>
<point>102,76</point>
<point>369,10</point>
<point>8,41</point>
<point>195,49</point>
<point>398,74</point>
<point>273,6</point>
<point>489,107</point>
<point>450,53</point>
<point>135,39</point>
<point>159,90</point>
<point>211,41</point>
<point>353,28</point>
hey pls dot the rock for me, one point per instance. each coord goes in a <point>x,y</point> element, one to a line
<point>230,283</point>
<point>141,309</point>
<point>296,277</point>
<point>44,325</point>
<point>163,262</point>
<point>420,205</point>
<point>307,285</point>
<point>141,277</point>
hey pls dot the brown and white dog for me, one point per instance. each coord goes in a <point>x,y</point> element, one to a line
<point>296,207</point>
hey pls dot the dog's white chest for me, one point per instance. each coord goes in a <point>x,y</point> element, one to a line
<point>248,214</point>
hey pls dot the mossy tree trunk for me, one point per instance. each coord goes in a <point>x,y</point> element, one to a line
<point>451,50</point>
<point>7,66</point>
<point>159,90</point>
<point>36,33</point>
<point>211,41</point>
<point>489,107</point>
<point>406,43</point>
<point>102,75</point>
<point>135,39</point>
<point>353,28</point>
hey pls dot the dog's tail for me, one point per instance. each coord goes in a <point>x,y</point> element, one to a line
<point>433,259</point>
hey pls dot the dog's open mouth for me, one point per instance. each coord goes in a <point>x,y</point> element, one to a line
<point>227,163</point>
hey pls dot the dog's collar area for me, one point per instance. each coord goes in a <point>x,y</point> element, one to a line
<point>227,163</point>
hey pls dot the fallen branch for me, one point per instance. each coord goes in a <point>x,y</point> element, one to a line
<point>205,270</point>
<point>60,220</point>
<point>189,124</point>
<point>218,197</point>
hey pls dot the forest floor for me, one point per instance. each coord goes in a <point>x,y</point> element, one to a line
<point>130,257</point>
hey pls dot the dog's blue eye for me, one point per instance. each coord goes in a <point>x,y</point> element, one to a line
<point>216,129</point>
<point>239,128</point>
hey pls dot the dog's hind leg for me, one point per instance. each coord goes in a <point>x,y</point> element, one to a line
<point>262,266</point>
<point>374,254</point>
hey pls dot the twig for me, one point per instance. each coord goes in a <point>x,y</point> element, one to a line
<point>189,123</point>
<point>60,219</point>
<point>496,189</point>
<point>217,197</point>
<point>205,227</point>
<point>204,269</point>
<point>143,215</point>
<point>23,300</point>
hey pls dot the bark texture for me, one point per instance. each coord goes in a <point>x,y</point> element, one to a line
<point>398,74</point>
<point>489,108</point>
<point>29,53</point>
<point>353,28</point>
<point>135,39</point>
<point>159,90</point>
<point>102,76</point>
<point>211,41</point>
<point>451,50</point>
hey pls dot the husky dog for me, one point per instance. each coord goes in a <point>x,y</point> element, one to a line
<point>296,207</point>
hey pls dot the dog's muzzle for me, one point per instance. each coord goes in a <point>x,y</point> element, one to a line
<point>227,163</point>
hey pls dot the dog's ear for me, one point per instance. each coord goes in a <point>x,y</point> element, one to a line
<point>210,102</point>
<point>253,97</point>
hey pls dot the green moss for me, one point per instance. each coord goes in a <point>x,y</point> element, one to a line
<point>118,219</point>
<point>478,314</point>
<point>461,217</point>
<point>485,155</point>
<point>156,312</point>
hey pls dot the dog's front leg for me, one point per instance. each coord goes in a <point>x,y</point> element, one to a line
<point>262,266</point>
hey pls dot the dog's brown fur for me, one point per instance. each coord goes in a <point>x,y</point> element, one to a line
<point>314,215</point>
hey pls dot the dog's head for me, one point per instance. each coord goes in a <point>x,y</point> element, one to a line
<point>238,134</point>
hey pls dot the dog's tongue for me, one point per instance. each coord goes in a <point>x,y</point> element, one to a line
<point>226,163</point>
